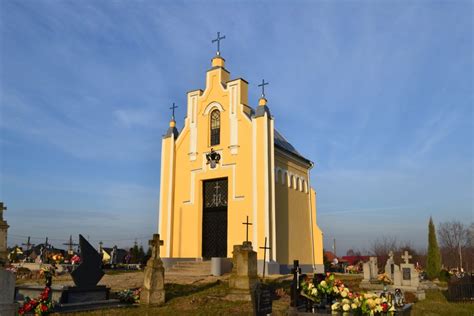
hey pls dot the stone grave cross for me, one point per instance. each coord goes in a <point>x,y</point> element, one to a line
<point>155,244</point>
<point>264,256</point>
<point>2,208</point>
<point>247,229</point>
<point>406,257</point>
<point>390,254</point>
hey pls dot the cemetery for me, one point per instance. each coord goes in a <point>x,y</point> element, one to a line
<point>128,196</point>
<point>86,289</point>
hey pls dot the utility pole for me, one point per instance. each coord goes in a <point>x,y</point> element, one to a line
<point>334,247</point>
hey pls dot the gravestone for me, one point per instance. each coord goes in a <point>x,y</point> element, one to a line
<point>7,293</point>
<point>7,278</point>
<point>410,277</point>
<point>244,272</point>
<point>390,266</point>
<point>153,291</point>
<point>370,270</point>
<point>261,299</point>
<point>407,277</point>
<point>3,236</point>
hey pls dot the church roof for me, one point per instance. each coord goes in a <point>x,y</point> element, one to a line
<point>283,144</point>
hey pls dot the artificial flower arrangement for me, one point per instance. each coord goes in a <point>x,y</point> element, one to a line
<point>131,296</point>
<point>344,300</point>
<point>384,278</point>
<point>40,306</point>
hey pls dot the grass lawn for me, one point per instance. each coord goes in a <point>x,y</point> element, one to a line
<point>208,299</point>
<point>202,299</point>
<point>437,304</point>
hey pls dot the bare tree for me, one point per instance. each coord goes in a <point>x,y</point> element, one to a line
<point>454,238</point>
<point>381,248</point>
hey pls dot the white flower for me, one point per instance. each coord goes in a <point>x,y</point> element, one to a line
<point>346,307</point>
<point>343,293</point>
<point>354,306</point>
<point>314,291</point>
<point>323,283</point>
<point>346,301</point>
<point>335,306</point>
<point>310,286</point>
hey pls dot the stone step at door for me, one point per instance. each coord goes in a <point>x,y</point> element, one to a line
<point>191,267</point>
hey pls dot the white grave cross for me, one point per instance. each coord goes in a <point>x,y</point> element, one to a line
<point>406,257</point>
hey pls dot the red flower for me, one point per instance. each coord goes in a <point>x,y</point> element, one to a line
<point>384,306</point>
<point>44,308</point>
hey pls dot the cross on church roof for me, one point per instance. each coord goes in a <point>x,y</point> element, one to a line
<point>263,84</point>
<point>172,108</point>
<point>406,257</point>
<point>247,229</point>
<point>218,40</point>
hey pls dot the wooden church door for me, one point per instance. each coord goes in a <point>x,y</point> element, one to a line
<point>214,219</point>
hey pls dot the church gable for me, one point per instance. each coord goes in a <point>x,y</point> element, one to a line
<point>225,166</point>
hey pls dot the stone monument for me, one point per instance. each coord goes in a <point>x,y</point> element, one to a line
<point>370,269</point>
<point>407,278</point>
<point>7,278</point>
<point>390,266</point>
<point>153,291</point>
<point>3,237</point>
<point>244,272</point>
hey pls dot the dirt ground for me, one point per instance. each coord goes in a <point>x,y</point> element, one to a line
<point>120,280</point>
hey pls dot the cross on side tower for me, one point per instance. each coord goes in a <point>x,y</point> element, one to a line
<point>218,40</point>
<point>247,229</point>
<point>263,84</point>
<point>264,256</point>
<point>172,108</point>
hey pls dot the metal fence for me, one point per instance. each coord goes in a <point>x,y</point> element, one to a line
<point>461,289</point>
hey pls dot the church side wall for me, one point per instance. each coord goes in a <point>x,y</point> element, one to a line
<point>292,212</point>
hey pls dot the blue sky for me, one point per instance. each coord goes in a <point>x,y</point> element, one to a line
<point>378,93</point>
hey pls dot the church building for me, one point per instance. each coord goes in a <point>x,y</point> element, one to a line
<point>226,164</point>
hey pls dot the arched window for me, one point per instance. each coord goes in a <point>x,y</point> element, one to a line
<point>215,127</point>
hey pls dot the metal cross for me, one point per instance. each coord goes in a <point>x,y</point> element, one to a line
<point>218,40</point>
<point>406,257</point>
<point>264,256</point>
<point>247,229</point>
<point>70,244</point>
<point>263,84</point>
<point>217,187</point>
<point>46,244</point>
<point>28,244</point>
<point>155,244</point>
<point>172,108</point>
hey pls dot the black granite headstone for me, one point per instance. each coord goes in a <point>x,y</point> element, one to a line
<point>89,271</point>
<point>261,299</point>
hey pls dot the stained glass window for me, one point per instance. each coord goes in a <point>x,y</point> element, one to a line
<point>215,127</point>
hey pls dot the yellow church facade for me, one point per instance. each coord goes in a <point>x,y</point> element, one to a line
<point>226,164</point>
